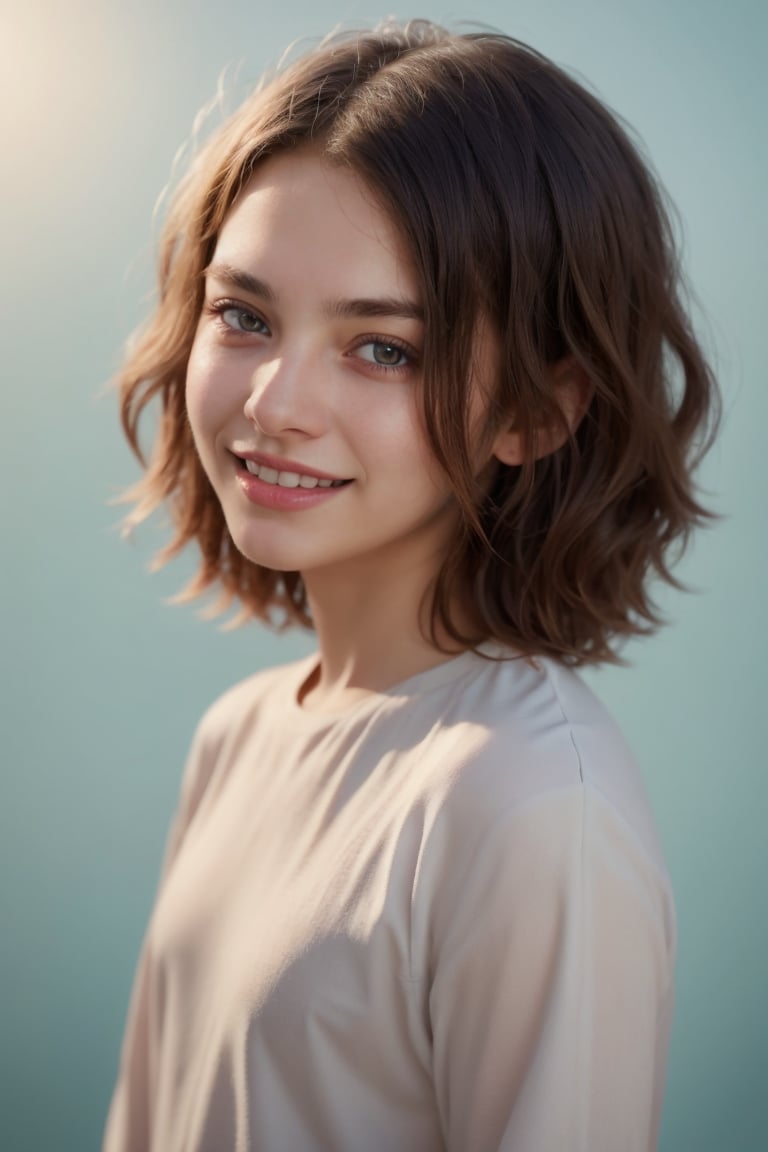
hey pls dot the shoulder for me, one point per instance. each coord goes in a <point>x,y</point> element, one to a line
<point>530,737</point>
<point>545,803</point>
<point>240,704</point>
<point>234,712</point>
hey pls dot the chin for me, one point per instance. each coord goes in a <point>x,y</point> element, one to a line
<point>261,548</point>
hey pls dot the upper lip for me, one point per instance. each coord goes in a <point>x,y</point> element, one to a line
<point>280,464</point>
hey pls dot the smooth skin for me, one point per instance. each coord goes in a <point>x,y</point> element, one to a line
<point>308,355</point>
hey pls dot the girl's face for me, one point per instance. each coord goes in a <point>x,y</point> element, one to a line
<point>302,383</point>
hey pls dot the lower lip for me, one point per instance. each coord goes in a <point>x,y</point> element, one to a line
<point>283,499</point>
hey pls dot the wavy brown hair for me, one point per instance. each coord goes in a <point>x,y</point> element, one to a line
<point>525,205</point>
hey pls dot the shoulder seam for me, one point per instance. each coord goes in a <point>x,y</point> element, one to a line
<point>566,720</point>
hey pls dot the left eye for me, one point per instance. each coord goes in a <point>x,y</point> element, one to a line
<point>383,353</point>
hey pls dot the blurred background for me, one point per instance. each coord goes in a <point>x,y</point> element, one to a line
<point>103,682</point>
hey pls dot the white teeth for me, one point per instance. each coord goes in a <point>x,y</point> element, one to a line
<point>288,479</point>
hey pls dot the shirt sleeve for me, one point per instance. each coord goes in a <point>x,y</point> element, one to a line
<point>127,1126</point>
<point>552,990</point>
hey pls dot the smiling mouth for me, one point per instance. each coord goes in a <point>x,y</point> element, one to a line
<point>287,479</point>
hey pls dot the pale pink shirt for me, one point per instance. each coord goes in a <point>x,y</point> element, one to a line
<point>438,921</point>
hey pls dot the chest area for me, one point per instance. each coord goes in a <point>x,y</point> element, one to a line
<point>293,888</point>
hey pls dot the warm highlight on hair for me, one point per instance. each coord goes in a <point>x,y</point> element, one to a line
<point>524,205</point>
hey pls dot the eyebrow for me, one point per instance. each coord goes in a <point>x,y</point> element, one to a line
<point>336,309</point>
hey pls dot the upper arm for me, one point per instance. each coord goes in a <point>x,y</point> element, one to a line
<point>552,984</point>
<point>131,1104</point>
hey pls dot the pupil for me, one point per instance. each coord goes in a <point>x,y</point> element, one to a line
<point>387,354</point>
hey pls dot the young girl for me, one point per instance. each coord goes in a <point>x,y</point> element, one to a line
<point>427,388</point>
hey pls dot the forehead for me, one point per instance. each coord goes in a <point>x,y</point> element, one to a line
<point>300,213</point>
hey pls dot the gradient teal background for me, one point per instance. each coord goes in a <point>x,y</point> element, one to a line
<point>102,682</point>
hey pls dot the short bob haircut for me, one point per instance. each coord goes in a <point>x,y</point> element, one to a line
<point>525,206</point>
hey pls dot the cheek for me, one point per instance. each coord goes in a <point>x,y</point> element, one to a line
<point>390,415</point>
<point>399,441</point>
<point>205,394</point>
<point>195,391</point>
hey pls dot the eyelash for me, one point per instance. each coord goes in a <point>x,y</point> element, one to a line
<point>218,308</point>
<point>411,359</point>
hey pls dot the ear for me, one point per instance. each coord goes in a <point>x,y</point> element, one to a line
<point>574,392</point>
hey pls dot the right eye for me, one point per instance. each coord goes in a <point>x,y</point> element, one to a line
<point>240,319</point>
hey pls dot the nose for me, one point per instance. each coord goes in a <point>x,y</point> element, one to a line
<point>285,398</point>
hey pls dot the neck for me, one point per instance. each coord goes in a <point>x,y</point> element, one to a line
<point>372,631</point>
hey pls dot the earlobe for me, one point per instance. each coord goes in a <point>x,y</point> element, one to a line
<point>508,446</point>
<point>573,391</point>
